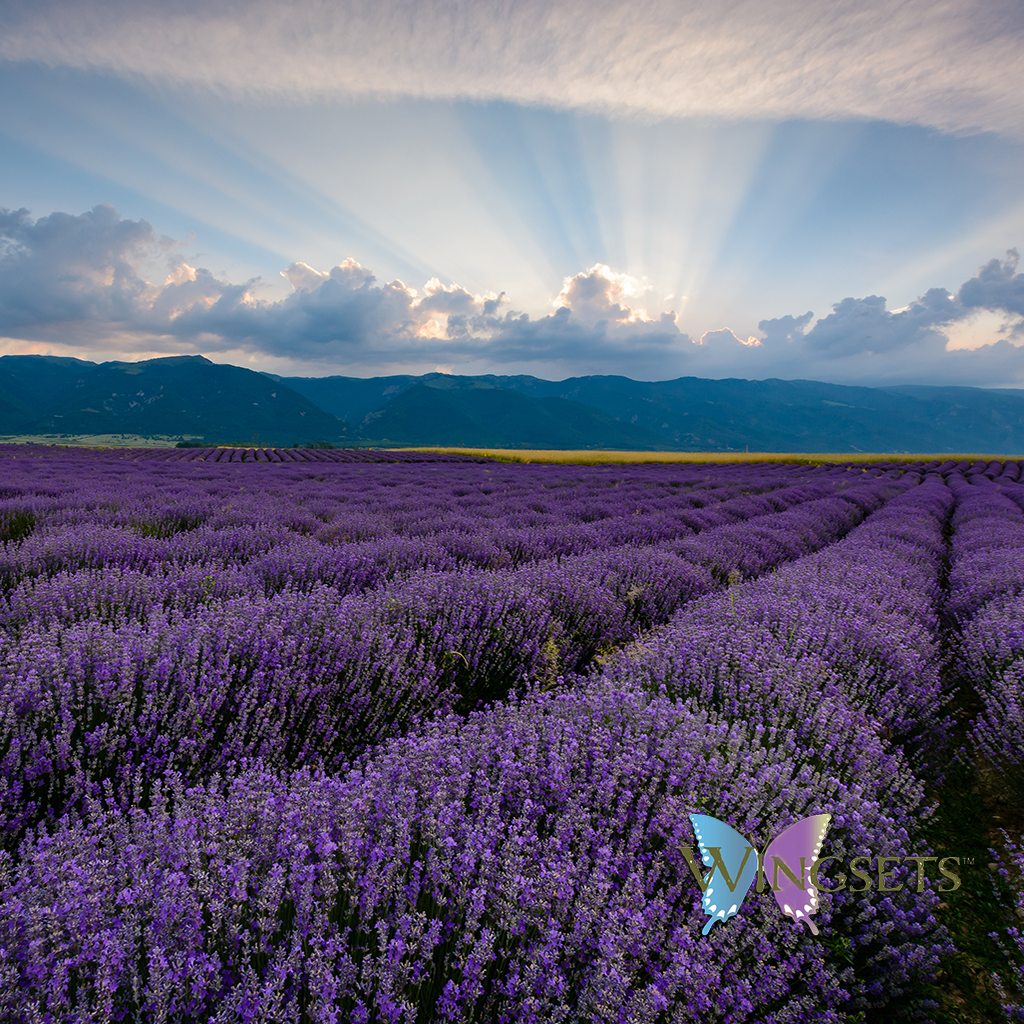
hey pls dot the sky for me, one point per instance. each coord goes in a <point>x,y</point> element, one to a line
<point>801,189</point>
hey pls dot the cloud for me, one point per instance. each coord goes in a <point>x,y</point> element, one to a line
<point>347,315</point>
<point>593,328</point>
<point>857,326</point>
<point>563,340</point>
<point>74,281</point>
<point>449,299</point>
<point>863,340</point>
<point>303,277</point>
<point>71,269</point>
<point>997,286</point>
<point>784,328</point>
<point>725,337</point>
<point>955,65</point>
<point>600,294</point>
<point>865,325</point>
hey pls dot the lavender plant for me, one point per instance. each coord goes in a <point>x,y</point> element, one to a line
<point>313,677</point>
<point>524,863</point>
<point>987,610</point>
<point>319,736</point>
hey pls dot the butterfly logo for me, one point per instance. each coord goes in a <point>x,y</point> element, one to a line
<point>728,853</point>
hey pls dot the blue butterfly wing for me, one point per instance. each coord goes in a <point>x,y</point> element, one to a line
<point>734,867</point>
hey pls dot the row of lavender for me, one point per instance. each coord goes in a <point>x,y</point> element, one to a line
<point>301,455</point>
<point>106,570</point>
<point>986,611</point>
<point>397,455</point>
<point>524,863</point>
<point>429,516</point>
<point>832,664</point>
<point>985,616</point>
<point>136,707</point>
<point>435,516</point>
<point>403,519</point>
<point>114,678</point>
<point>240,454</point>
<point>838,649</point>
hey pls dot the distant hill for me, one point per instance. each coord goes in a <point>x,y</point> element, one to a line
<point>171,396</point>
<point>353,398</point>
<point>190,395</point>
<point>694,414</point>
<point>29,386</point>
<point>802,415</point>
<point>465,411</point>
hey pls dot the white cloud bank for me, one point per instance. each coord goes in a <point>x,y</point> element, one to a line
<point>953,65</point>
<point>72,282</point>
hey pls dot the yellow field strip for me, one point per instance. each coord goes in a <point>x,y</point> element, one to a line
<point>594,458</point>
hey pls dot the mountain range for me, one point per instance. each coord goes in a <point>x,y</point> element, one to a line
<point>157,397</point>
<point>192,396</point>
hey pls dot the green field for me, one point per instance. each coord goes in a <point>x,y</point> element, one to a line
<point>98,440</point>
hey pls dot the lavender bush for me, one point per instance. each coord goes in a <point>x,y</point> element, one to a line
<point>1010,865</point>
<point>986,547</point>
<point>523,864</point>
<point>321,738</point>
<point>987,607</point>
<point>867,607</point>
<point>311,678</point>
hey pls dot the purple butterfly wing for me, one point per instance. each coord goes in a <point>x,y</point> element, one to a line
<point>802,840</point>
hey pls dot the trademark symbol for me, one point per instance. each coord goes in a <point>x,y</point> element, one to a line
<point>968,860</point>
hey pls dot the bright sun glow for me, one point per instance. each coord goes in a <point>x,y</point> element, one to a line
<point>985,327</point>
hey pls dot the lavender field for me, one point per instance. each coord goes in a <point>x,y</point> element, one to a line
<point>337,736</point>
